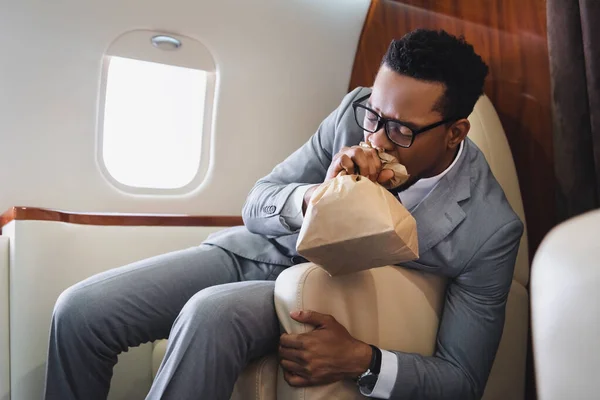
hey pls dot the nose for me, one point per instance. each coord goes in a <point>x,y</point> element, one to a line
<point>380,140</point>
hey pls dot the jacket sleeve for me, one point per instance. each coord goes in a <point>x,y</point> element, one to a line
<point>470,329</point>
<point>307,165</point>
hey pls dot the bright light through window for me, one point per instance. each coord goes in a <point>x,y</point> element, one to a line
<point>153,120</point>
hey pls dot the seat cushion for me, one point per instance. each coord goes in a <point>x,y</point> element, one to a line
<point>394,308</point>
<point>257,382</point>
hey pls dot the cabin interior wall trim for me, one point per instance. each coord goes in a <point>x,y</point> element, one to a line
<point>116,219</point>
<point>281,66</point>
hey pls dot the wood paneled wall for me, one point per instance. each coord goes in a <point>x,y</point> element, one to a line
<point>510,35</point>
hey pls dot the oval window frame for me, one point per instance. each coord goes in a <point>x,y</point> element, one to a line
<point>138,45</point>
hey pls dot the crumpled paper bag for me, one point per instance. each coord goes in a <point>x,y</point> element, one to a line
<point>353,224</point>
<point>389,162</point>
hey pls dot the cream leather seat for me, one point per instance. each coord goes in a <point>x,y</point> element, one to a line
<point>380,298</point>
<point>565,306</point>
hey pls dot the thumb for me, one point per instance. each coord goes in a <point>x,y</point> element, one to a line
<point>385,175</point>
<point>309,317</point>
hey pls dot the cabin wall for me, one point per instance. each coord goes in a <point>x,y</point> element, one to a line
<point>4,321</point>
<point>289,81</point>
<point>46,258</point>
<point>281,67</point>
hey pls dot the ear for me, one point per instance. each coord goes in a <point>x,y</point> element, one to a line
<point>458,132</point>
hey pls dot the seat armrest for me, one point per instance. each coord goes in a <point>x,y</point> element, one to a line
<point>391,307</point>
<point>116,219</point>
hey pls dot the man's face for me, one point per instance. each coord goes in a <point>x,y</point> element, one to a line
<point>412,101</point>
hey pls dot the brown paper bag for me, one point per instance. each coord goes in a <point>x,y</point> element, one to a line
<point>352,224</point>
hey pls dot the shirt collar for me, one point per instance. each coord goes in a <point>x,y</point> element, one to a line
<point>415,194</point>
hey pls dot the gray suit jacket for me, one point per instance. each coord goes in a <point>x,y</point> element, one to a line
<point>467,232</point>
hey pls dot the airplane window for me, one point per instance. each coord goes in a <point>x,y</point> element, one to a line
<point>153,120</point>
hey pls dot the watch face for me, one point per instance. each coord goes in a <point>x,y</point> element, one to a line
<point>368,381</point>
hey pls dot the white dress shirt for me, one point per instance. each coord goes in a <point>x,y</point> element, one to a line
<point>414,195</point>
<point>410,198</point>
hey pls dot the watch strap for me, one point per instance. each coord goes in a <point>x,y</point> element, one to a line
<point>375,366</point>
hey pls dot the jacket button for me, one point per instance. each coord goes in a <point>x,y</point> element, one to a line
<point>269,209</point>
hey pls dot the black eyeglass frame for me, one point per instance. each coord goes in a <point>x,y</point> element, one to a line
<point>384,121</point>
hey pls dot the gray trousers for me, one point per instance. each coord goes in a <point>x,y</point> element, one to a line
<point>216,309</point>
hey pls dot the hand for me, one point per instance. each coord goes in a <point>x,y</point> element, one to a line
<point>361,161</point>
<point>307,197</point>
<point>327,354</point>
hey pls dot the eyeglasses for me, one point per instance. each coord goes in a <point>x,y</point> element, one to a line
<point>395,130</point>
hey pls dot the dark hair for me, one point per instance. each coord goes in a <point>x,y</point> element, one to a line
<point>436,56</point>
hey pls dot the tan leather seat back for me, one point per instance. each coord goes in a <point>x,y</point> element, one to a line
<point>487,133</point>
<point>507,378</point>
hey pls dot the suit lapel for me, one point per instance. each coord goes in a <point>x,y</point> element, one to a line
<point>439,213</point>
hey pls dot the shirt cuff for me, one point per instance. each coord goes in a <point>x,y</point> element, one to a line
<point>387,377</point>
<point>292,209</point>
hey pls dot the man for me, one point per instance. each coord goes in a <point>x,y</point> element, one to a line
<point>215,302</point>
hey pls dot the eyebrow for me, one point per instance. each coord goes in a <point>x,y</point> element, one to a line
<point>408,124</point>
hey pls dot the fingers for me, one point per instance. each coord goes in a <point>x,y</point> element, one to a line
<point>293,362</point>
<point>294,367</point>
<point>291,341</point>
<point>313,318</point>
<point>346,164</point>
<point>366,160</point>
<point>341,162</point>
<point>292,355</point>
<point>295,380</point>
<point>356,160</point>
<point>307,196</point>
<point>361,160</point>
<point>375,164</point>
<point>385,176</point>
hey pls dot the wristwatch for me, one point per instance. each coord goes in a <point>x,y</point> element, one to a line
<point>368,379</point>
